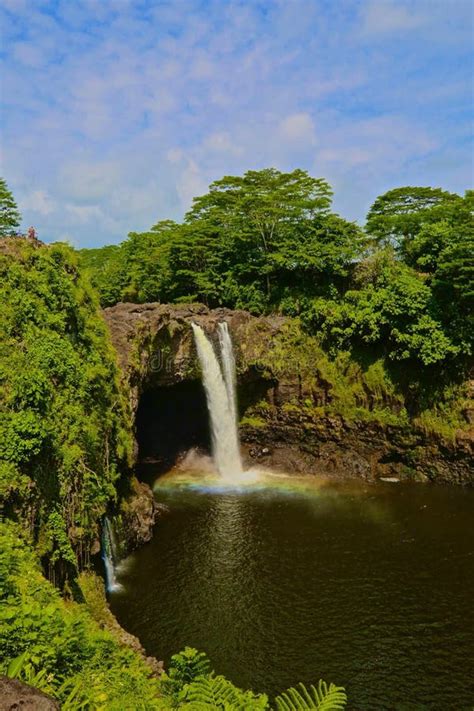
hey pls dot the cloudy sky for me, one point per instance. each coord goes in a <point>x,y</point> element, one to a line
<point>117,112</point>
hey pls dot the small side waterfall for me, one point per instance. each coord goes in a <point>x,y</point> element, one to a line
<point>219,384</point>
<point>109,556</point>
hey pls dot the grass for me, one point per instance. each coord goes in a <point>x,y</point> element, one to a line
<point>356,386</point>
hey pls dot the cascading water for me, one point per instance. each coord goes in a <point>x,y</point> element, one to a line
<point>219,384</point>
<point>109,556</point>
<point>228,367</point>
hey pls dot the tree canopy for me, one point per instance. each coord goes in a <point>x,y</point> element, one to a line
<point>398,215</point>
<point>10,218</point>
<point>261,217</point>
<point>389,307</point>
<point>268,241</point>
<point>246,243</point>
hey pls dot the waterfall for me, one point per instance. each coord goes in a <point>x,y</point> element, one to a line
<point>109,555</point>
<point>228,367</point>
<point>219,384</point>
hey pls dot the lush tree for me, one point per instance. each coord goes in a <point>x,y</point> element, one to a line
<point>454,276</point>
<point>197,265</point>
<point>398,215</point>
<point>449,224</point>
<point>443,249</point>
<point>258,215</point>
<point>453,289</point>
<point>145,263</point>
<point>317,262</point>
<point>390,308</point>
<point>136,270</point>
<point>10,217</point>
<point>247,243</point>
<point>106,271</point>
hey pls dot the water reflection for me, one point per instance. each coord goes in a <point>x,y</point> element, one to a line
<point>289,579</point>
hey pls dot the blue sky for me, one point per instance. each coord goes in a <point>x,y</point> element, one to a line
<point>117,112</point>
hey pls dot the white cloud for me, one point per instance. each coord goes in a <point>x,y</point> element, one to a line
<point>38,201</point>
<point>175,155</point>
<point>90,181</point>
<point>85,213</point>
<point>202,68</point>
<point>298,128</point>
<point>384,16</point>
<point>118,116</point>
<point>383,143</point>
<point>27,54</point>
<point>190,184</point>
<point>221,142</point>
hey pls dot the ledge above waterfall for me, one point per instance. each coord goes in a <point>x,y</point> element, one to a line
<point>155,343</point>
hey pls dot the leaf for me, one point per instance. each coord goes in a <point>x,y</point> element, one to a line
<point>217,692</point>
<point>16,665</point>
<point>323,698</point>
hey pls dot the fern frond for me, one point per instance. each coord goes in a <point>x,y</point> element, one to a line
<point>323,698</point>
<point>218,693</point>
<point>210,692</point>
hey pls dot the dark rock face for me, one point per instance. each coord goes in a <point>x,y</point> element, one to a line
<point>138,515</point>
<point>156,350</point>
<point>14,695</point>
<point>333,447</point>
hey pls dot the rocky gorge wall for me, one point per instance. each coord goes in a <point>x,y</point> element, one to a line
<point>296,413</point>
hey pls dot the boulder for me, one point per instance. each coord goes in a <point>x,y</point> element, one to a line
<point>17,696</point>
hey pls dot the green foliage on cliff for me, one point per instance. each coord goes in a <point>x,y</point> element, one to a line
<point>390,308</point>
<point>64,431</point>
<point>83,666</point>
<point>58,647</point>
<point>357,385</point>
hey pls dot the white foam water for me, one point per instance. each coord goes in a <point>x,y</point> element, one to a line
<point>219,384</point>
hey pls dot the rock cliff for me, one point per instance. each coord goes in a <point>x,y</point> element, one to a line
<point>293,416</point>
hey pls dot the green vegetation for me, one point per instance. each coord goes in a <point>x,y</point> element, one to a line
<point>381,323</point>
<point>10,217</point>
<point>58,647</point>
<point>252,242</point>
<point>267,241</point>
<point>389,307</point>
<point>254,421</point>
<point>323,697</point>
<point>64,428</point>
<point>396,297</point>
<point>356,385</point>
<point>57,643</point>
